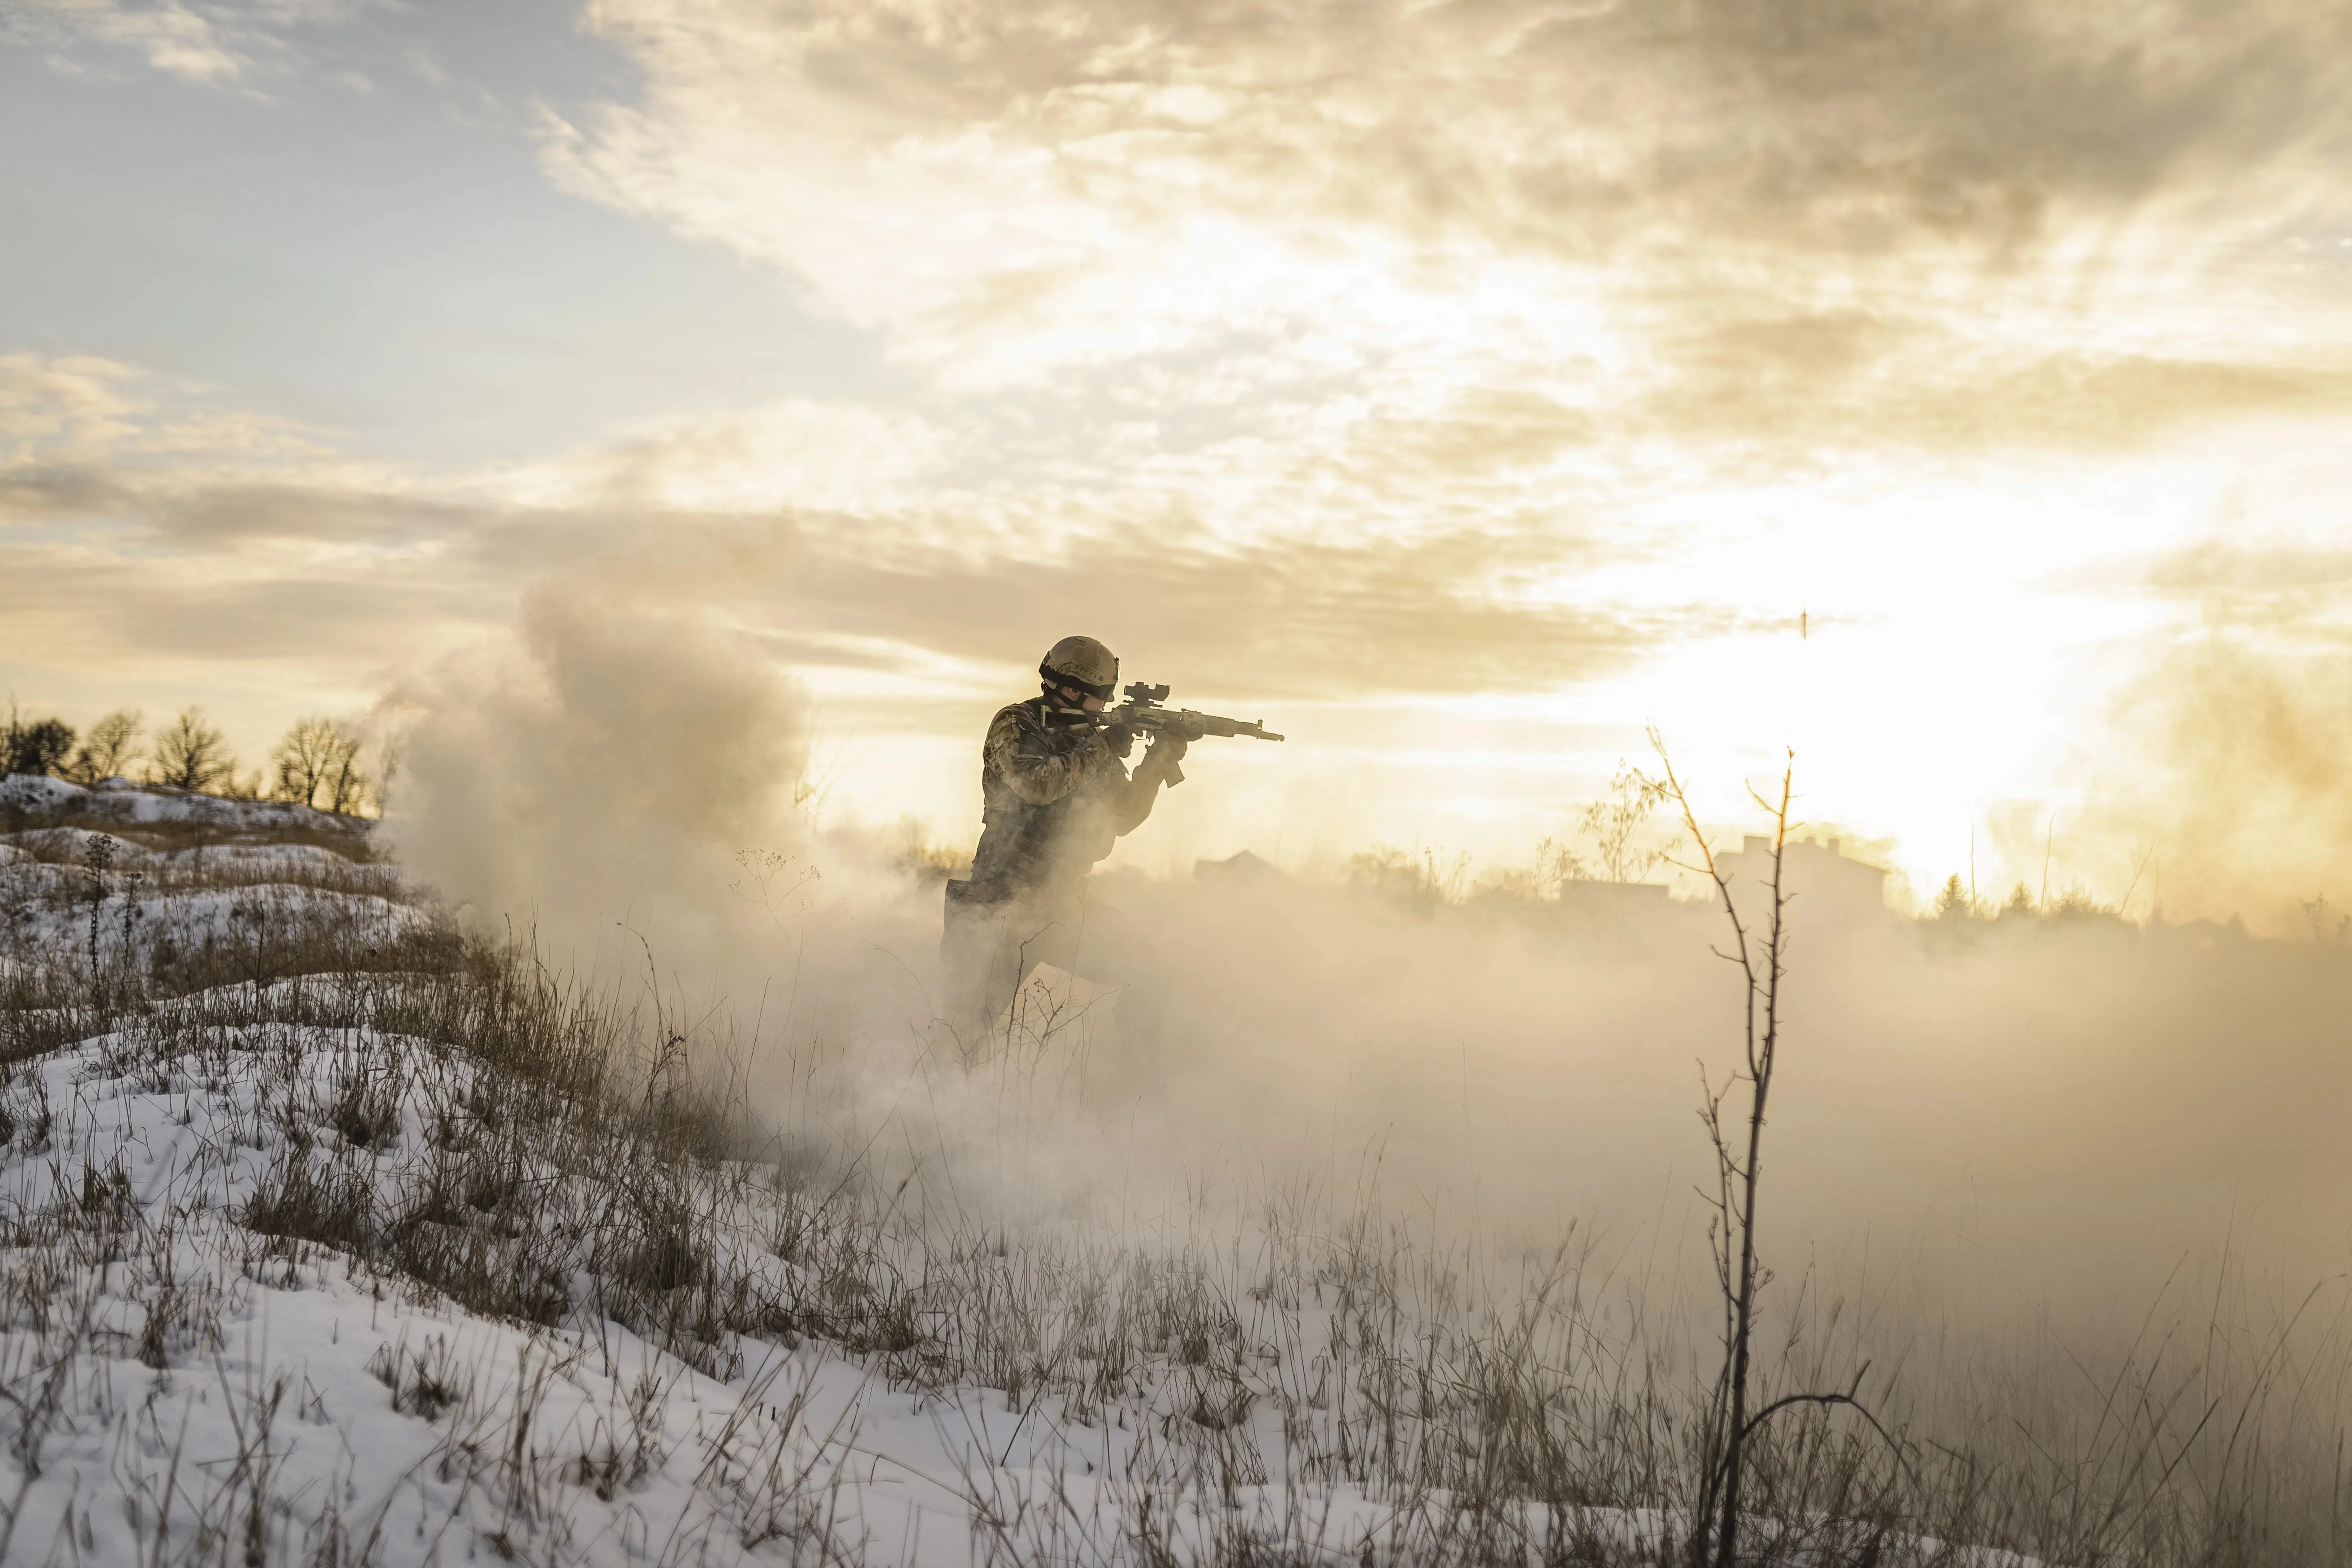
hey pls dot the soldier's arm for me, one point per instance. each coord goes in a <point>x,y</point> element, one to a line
<point>1143,786</point>
<point>1032,761</point>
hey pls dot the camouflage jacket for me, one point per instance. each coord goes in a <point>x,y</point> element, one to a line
<point>1053,800</point>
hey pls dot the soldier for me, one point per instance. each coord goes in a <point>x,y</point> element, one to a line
<point>1055,795</point>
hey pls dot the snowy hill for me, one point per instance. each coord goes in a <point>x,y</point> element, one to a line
<point>329,1234</point>
<point>321,1247</point>
<point>120,802</point>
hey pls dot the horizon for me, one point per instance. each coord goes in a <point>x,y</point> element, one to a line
<point>1460,392</point>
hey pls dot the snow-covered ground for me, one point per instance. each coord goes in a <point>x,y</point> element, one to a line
<point>129,879</point>
<point>119,801</point>
<point>190,1383</point>
<point>283,1285</point>
<point>194,1386</point>
<point>344,1259</point>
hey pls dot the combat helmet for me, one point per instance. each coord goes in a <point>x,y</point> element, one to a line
<point>1082,663</point>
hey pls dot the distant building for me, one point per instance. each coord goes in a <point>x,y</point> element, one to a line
<point>1240,869</point>
<point>1819,880</point>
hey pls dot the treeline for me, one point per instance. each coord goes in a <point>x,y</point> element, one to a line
<point>320,763</point>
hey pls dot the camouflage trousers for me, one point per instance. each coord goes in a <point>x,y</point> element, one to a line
<point>988,948</point>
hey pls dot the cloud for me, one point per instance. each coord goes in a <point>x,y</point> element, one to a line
<point>1848,380</point>
<point>1393,550</point>
<point>1293,619</point>
<point>150,533</point>
<point>99,611</point>
<point>144,525</point>
<point>212,43</point>
<point>1838,119</point>
<point>71,402</point>
<point>1296,619</point>
<point>796,450</point>
<point>172,37</point>
<point>2283,596</point>
<point>1162,172</point>
<point>57,412</point>
<point>1301,265</point>
<point>2280,592</point>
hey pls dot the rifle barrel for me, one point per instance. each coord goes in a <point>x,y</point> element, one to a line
<point>1185,721</point>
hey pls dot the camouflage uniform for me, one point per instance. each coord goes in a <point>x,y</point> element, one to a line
<point>1054,799</point>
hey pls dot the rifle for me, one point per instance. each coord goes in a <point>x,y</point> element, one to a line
<point>1142,712</point>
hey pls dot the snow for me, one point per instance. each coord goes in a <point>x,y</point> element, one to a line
<point>194,918</point>
<point>70,892</point>
<point>390,1420</point>
<point>120,801</point>
<point>186,1383</point>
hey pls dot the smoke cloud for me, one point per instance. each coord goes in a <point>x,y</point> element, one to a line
<point>2021,1112</point>
<point>2236,758</point>
<point>611,760</point>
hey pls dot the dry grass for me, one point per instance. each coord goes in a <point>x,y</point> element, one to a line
<point>450,1121</point>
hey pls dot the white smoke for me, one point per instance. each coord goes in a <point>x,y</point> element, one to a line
<point>609,766</point>
<point>2035,1113</point>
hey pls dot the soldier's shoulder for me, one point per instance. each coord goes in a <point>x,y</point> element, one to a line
<point>1023,713</point>
<point>1015,718</point>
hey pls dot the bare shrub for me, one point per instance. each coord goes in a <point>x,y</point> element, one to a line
<point>37,746</point>
<point>108,749</point>
<point>192,754</point>
<point>318,765</point>
<point>1411,880</point>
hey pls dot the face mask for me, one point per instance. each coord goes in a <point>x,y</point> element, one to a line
<point>1060,712</point>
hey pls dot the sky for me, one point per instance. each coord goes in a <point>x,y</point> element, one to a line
<point>1957,395</point>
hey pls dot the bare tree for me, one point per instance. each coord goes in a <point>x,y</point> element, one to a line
<point>1733,1226</point>
<point>320,757</point>
<point>1614,823</point>
<point>301,760</point>
<point>348,786</point>
<point>37,746</point>
<point>192,754</point>
<point>108,750</point>
<point>1739,1151</point>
